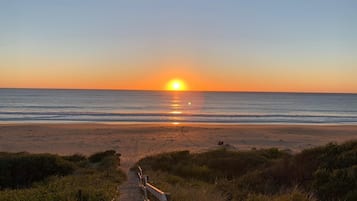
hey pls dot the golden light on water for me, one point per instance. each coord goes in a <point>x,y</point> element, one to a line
<point>176,85</point>
<point>176,112</point>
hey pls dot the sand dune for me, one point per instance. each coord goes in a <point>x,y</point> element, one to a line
<point>135,141</point>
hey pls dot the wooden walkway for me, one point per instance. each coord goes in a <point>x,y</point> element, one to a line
<point>129,190</point>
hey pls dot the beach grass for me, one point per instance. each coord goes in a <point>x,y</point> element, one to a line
<point>48,177</point>
<point>327,173</point>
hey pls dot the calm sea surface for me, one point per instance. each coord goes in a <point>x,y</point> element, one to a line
<point>32,105</point>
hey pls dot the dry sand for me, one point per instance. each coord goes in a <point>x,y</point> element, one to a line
<point>135,141</point>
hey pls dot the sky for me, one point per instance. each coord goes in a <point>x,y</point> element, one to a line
<point>231,45</point>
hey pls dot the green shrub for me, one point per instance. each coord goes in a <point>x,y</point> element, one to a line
<point>212,164</point>
<point>91,182</point>
<point>329,172</point>
<point>97,157</point>
<point>75,158</point>
<point>294,195</point>
<point>331,185</point>
<point>22,169</point>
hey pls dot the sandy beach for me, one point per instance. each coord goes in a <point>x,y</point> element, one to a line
<point>135,141</point>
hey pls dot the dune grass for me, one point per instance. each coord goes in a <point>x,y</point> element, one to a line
<point>37,177</point>
<point>326,173</point>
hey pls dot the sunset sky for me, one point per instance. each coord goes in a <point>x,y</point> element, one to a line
<point>255,45</point>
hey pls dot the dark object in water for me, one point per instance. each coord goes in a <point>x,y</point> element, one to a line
<point>220,142</point>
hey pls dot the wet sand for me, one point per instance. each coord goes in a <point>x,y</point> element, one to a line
<point>135,141</point>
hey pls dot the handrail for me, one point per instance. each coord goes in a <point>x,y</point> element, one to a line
<point>147,187</point>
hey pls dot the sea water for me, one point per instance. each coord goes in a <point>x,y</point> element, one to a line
<point>125,106</point>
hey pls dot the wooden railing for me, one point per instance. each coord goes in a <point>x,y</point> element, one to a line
<point>150,190</point>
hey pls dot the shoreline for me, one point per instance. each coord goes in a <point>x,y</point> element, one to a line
<point>135,141</point>
<point>178,124</point>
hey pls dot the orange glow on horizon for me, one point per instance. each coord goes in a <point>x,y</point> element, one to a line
<point>190,75</point>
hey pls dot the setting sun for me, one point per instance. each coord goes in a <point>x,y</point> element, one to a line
<point>176,85</point>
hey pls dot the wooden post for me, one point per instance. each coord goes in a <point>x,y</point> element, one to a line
<point>168,196</point>
<point>79,195</point>
<point>145,194</point>
<point>146,179</point>
<point>149,188</point>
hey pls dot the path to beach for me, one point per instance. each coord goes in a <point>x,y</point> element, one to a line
<point>129,190</point>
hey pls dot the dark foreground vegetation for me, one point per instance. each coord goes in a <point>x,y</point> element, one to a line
<point>326,173</point>
<point>48,177</point>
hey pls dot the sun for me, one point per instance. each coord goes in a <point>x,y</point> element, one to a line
<point>176,85</point>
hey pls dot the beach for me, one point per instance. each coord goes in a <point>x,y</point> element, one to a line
<point>135,141</point>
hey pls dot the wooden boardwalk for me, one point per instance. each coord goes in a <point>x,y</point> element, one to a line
<point>129,190</point>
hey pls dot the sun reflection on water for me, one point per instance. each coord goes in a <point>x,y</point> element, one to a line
<point>176,112</point>
<point>181,104</point>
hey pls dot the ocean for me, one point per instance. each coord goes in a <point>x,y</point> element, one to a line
<point>125,106</point>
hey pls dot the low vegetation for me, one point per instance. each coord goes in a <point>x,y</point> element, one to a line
<point>48,177</point>
<point>326,173</point>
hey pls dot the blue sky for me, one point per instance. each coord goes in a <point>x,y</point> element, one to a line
<point>224,41</point>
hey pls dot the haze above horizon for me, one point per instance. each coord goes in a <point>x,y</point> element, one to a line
<point>275,46</point>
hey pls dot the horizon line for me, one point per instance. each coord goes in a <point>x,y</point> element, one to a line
<point>162,90</point>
